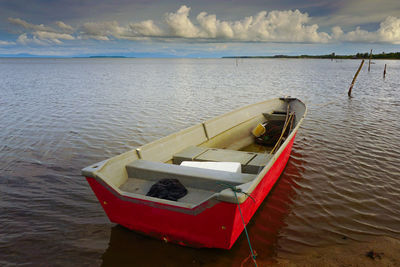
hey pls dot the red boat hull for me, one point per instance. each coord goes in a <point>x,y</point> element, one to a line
<point>216,225</point>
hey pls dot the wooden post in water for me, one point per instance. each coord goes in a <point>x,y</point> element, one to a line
<point>384,72</point>
<point>355,77</point>
<point>369,62</point>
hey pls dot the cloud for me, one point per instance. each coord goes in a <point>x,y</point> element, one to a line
<point>4,43</point>
<point>29,26</point>
<point>350,14</point>
<point>287,26</point>
<point>214,28</point>
<point>180,24</point>
<point>101,30</point>
<point>64,27</point>
<point>41,34</point>
<point>337,33</point>
<point>53,36</point>
<point>108,30</point>
<point>26,40</point>
<point>275,26</point>
<point>388,32</point>
<point>145,28</point>
<point>43,38</point>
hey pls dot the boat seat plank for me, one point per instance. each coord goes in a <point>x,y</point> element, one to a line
<point>251,162</point>
<point>188,154</point>
<point>189,176</point>
<point>214,154</point>
<point>257,163</point>
<point>274,117</point>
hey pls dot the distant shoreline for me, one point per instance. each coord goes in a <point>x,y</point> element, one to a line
<point>331,56</point>
<point>389,56</point>
<point>60,57</point>
<point>107,57</point>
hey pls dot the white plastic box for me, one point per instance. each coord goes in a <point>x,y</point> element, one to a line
<point>218,166</point>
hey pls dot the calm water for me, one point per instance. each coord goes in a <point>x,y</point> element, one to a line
<point>60,115</point>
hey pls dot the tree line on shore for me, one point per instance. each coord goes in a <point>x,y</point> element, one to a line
<point>383,55</point>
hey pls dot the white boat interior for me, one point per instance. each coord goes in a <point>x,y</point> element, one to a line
<point>226,138</point>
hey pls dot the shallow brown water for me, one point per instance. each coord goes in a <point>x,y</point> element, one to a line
<point>59,115</point>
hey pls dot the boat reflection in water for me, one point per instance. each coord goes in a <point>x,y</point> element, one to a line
<point>127,247</point>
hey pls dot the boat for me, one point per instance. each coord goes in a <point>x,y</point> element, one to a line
<point>227,166</point>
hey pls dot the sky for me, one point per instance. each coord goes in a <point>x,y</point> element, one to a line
<point>173,28</point>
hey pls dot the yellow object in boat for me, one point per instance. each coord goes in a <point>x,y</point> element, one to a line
<point>259,130</point>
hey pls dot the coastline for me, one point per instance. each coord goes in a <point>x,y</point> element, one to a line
<point>393,55</point>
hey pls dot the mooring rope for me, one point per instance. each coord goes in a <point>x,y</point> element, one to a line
<point>238,190</point>
<point>283,132</point>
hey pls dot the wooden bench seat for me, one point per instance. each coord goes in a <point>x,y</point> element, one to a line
<point>189,176</point>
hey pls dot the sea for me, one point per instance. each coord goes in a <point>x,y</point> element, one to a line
<point>57,116</point>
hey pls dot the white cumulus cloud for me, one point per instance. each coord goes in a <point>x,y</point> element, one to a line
<point>145,28</point>
<point>388,32</point>
<point>214,28</point>
<point>180,25</point>
<point>287,26</point>
<point>275,26</point>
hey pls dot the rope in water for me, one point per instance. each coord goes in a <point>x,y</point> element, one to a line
<point>238,190</point>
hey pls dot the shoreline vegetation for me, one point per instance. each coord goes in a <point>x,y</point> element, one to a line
<point>383,55</point>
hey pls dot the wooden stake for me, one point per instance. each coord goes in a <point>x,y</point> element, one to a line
<point>369,62</point>
<point>384,72</point>
<point>355,77</point>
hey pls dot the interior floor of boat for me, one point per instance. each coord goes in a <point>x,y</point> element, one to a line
<point>142,186</point>
<point>200,183</point>
<point>257,148</point>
